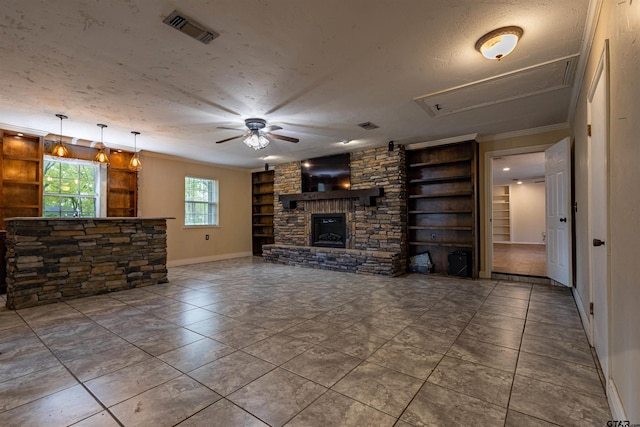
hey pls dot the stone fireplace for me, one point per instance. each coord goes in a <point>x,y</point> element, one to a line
<point>371,215</point>
<point>328,230</point>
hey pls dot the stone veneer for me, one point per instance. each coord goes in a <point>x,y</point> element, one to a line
<point>375,234</point>
<point>54,259</point>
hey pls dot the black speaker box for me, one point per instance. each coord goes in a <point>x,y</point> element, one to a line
<point>460,264</point>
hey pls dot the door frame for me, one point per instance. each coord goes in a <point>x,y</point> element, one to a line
<point>602,71</point>
<point>488,197</point>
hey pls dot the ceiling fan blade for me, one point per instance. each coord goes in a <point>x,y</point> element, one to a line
<point>271,128</point>
<point>282,137</point>
<point>228,128</point>
<point>229,139</point>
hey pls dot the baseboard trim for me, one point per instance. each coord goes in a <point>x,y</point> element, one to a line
<point>615,403</point>
<point>586,320</point>
<point>484,274</point>
<point>200,260</point>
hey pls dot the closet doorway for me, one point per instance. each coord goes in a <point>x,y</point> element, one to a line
<point>518,219</point>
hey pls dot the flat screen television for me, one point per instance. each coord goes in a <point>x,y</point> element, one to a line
<point>326,173</point>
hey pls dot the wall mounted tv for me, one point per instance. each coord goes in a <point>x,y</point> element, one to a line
<point>326,173</point>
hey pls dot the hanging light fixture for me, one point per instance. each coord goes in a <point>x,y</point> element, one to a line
<point>256,140</point>
<point>499,43</point>
<point>135,164</point>
<point>102,156</point>
<point>59,149</point>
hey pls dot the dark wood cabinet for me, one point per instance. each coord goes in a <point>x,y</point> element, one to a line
<point>442,204</point>
<point>262,209</point>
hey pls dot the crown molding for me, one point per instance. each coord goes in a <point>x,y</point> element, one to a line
<point>525,132</point>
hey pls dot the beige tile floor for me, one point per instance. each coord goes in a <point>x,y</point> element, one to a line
<point>528,260</point>
<point>243,343</point>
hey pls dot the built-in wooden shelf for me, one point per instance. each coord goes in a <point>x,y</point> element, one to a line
<point>431,196</point>
<point>21,171</point>
<point>440,179</point>
<point>446,212</point>
<point>442,186</point>
<point>262,204</point>
<point>439,227</point>
<point>444,244</point>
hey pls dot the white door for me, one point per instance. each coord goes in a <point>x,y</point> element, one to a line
<point>598,218</point>
<point>558,180</point>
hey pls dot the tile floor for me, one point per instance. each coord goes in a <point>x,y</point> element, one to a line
<point>243,343</point>
<point>529,260</point>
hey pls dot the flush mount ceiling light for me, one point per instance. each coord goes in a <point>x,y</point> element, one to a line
<point>102,156</point>
<point>135,164</point>
<point>499,43</point>
<point>59,150</point>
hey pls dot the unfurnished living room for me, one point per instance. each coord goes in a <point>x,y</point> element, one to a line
<point>319,213</point>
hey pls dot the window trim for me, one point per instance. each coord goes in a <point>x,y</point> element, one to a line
<point>99,178</point>
<point>214,204</point>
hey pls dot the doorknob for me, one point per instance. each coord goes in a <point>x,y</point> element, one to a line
<point>563,219</point>
<point>598,242</point>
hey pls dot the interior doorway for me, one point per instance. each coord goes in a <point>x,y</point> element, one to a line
<point>518,228</point>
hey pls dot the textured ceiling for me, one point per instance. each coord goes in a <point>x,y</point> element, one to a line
<point>316,68</point>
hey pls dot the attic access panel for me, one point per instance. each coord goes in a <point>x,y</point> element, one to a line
<point>550,76</point>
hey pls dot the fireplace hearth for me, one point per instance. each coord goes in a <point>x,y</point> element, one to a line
<point>328,230</point>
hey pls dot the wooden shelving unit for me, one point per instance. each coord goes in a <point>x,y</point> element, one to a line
<point>20,176</point>
<point>501,214</point>
<point>122,186</point>
<point>442,201</point>
<point>262,209</point>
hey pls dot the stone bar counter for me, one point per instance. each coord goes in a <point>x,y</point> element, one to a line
<point>57,259</point>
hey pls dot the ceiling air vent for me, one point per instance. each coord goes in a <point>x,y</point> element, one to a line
<point>368,126</point>
<point>190,27</point>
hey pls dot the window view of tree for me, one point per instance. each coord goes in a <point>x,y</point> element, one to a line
<point>200,201</point>
<point>70,188</point>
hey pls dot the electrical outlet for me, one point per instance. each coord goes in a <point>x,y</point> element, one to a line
<point>433,236</point>
<point>206,237</point>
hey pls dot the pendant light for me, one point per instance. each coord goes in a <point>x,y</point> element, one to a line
<point>59,150</point>
<point>102,156</point>
<point>135,164</point>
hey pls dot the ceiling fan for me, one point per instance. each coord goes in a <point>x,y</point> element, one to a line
<point>256,136</point>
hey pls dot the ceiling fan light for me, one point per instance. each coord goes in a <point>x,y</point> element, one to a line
<point>499,43</point>
<point>256,141</point>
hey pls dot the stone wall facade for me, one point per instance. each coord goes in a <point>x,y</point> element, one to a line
<point>384,226</point>
<point>369,228</point>
<point>54,259</point>
<point>337,259</point>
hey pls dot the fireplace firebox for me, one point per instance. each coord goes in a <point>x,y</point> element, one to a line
<point>328,230</point>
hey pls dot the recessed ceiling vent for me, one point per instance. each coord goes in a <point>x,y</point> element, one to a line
<point>190,27</point>
<point>368,126</point>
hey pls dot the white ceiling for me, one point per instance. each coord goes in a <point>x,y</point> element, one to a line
<point>528,168</point>
<point>316,68</point>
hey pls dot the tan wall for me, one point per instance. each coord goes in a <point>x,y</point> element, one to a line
<point>525,141</point>
<point>161,194</point>
<point>528,218</point>
<point>619,23</point>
